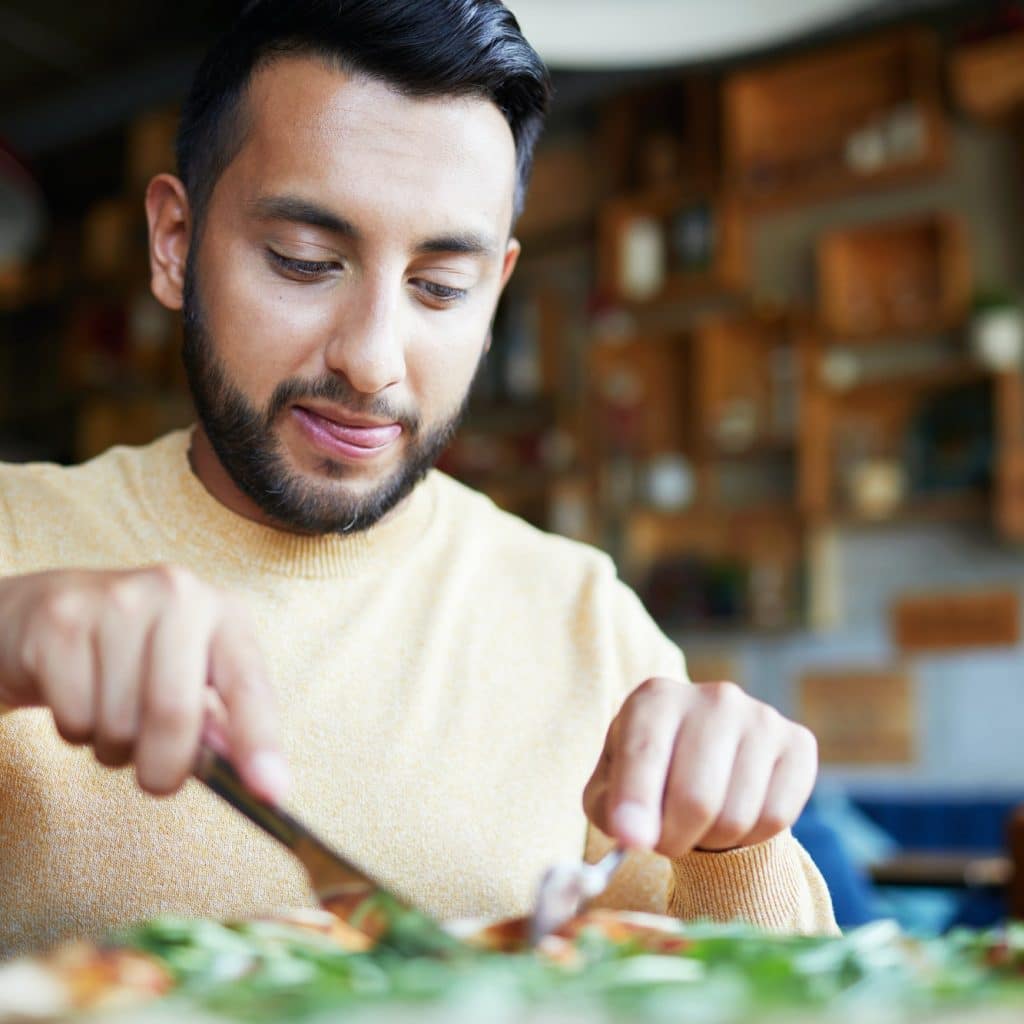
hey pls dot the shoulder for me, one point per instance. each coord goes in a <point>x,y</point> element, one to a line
<point>45,507</point>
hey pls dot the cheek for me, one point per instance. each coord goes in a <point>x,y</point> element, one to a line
<point>440,369</point>
<point>262,331</point>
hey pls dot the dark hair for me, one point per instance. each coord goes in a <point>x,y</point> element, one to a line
<point>419,47</point>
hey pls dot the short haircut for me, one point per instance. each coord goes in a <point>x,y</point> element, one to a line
<point>423,48</point>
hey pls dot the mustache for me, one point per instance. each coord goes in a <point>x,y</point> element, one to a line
<point>339,392</point>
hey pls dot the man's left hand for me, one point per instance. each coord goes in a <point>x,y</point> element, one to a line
<point>703,766</point>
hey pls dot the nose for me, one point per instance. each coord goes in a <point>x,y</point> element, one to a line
<point>367,344</point>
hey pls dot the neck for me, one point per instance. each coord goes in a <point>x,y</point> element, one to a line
<point>211,473</point>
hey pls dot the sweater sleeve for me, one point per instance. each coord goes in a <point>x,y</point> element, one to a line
<point>773,885</point>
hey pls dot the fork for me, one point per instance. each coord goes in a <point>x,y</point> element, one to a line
<point>566,887</point>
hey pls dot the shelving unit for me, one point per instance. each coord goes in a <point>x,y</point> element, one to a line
<point>671,244</point>
<point>895,278</point>
<point>987,78</point>
<point>842,120</point>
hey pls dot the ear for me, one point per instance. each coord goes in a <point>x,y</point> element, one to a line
<point>170,232</point>
<point>512,251</point>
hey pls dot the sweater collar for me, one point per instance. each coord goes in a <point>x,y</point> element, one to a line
<point>196,520</point>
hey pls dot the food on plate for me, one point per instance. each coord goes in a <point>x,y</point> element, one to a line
<point>602,966</point>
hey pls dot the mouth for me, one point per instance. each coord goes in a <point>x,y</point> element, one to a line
<point>355,438</point>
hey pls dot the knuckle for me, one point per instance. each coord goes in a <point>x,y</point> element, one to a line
<point>123,596</point>
<point>693,805</point>
<point>725,694</point>
<point>808,740</point>
<point>62,611</point>
<point>730,830</point>
<point>168,715</point>
<point>639,745</point>
<point>658,687</point>
<point>773,821</point>
<point>175,581</point>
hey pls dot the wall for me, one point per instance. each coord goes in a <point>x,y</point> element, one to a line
<point>971,706</point>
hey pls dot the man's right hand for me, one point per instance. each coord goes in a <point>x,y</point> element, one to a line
<point>136,664</point>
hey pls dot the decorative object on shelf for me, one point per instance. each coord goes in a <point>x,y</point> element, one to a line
<point>669,482</point>
<point>642,260</point>
<point>956,620</point>
<point>860,716</point>
<point>670,244</point>
<point>997,331</point>
<point>877,487</point>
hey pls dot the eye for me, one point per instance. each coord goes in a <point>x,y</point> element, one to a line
<point>308,269</point>
<point>442,292</point>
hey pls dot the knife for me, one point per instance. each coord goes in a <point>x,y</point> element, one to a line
<point>340,884</point>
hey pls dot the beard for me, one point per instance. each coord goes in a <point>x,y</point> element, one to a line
<point>246,441</point>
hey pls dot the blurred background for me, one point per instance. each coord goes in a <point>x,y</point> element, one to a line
<point>765,346</point>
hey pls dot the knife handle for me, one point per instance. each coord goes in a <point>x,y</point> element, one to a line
<point>219,774</point>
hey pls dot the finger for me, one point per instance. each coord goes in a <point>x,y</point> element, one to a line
<point>789,788</point>
<point>596,789</point>
<point>124,636</point>
<point>698,778</point>
<point>215,724</point>
<point>640,759</point>
<point>745,796</point>
<point>238,674</point>
<point>172,701</point>
<point>65,663</point>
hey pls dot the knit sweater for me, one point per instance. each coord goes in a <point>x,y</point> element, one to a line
<point>445,681</point>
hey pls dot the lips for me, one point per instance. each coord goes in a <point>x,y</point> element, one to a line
<point>358,435</point>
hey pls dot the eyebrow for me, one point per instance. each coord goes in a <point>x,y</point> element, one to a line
<point>301,211</point>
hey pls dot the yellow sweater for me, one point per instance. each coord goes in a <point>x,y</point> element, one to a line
<point>445,683</point>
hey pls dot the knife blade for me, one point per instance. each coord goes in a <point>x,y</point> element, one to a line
<point>340,884</point>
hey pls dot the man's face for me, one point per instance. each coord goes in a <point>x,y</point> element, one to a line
<point>339,299</point>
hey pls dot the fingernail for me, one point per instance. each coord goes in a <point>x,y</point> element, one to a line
<point>270,774</point>
<point>636,824</point>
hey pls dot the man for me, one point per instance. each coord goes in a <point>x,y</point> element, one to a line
<point>427,680</point>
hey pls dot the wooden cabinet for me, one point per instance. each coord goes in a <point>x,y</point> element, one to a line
<point>879,281</point>
<point>987,78</point>
<point>671,244</point>
<point>845,118</point>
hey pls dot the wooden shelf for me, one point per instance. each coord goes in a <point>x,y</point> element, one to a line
<point>969,507</point>
<point>746,399</point>
<point>848,118</point>
<point>988,78</point>
<point>636,395</point>
<point>965,372</point>
<point>700,245</point>
<point>895,277</point>
<point>662,134</point>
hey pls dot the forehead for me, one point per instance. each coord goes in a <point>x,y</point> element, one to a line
<point>357,143</point>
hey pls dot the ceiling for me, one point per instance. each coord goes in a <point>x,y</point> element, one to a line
<point>72,70</point>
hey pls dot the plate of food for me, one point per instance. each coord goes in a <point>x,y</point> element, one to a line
<point>375,962</point>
